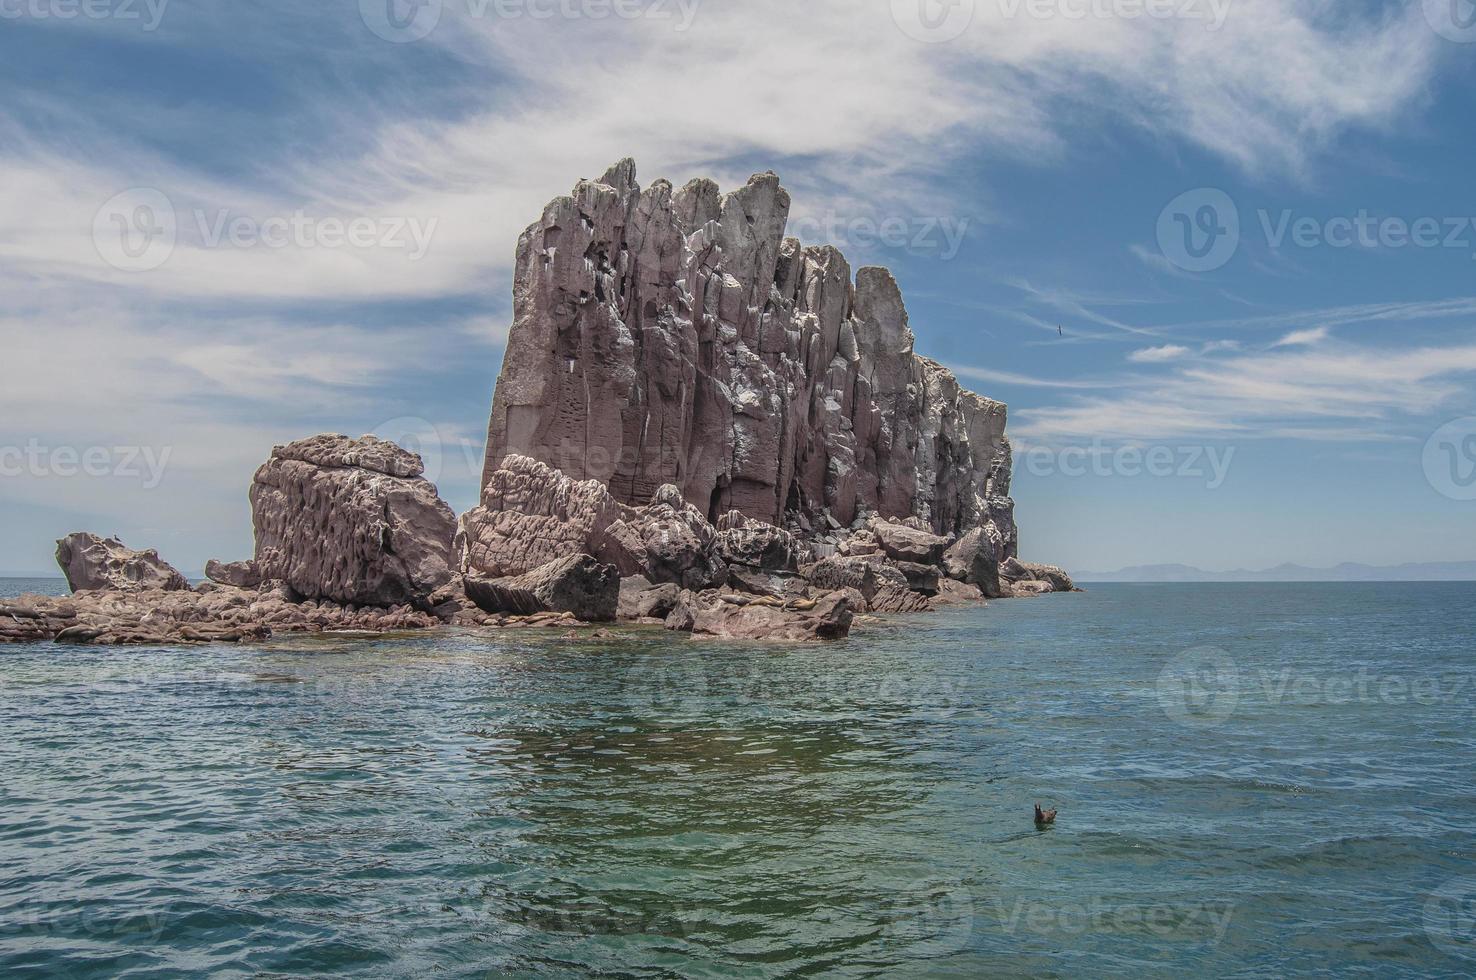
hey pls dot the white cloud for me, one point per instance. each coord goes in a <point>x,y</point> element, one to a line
<point>834,88</point>
<point>1303,338</point>
<point>1299,393</point>
<point>1158,355</point>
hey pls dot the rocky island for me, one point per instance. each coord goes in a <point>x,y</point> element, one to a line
<point>699,423</point>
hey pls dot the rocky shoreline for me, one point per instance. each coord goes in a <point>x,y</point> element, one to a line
<point>699,423</point>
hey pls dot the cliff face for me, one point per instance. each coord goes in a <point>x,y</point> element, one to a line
<point>677,337</point>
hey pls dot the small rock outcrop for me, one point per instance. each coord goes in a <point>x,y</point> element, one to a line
<point>1028,578</point>
<point>349,520</point>
<point>576,584</point>
<point>827,617</point>
<point>93,562</point>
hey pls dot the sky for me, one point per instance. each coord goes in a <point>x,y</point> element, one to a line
<point>1218,256</point>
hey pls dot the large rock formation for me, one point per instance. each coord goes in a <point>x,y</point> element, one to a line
<point>348,520</point>
<point>92,562</point>
<point>677,337</point>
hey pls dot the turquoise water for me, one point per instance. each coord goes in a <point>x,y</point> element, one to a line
<point>1253,780</point>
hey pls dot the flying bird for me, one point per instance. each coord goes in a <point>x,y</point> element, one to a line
<point>1060,331</point>
<point>1043,817</point>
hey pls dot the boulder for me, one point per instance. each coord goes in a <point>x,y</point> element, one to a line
<point>1054,574</point>
<point>1022,573</point>
<point>920,578</point>
<point>577,584</point>
<point>755,544</point>
<point>666,541</point>
<point>93,562</point>
<point>974,558</point>
<point>892,598</point>
<point>866,575</point>
<point>351,521</point>
<point>952,592</point>
<point>240,574</point>
<point>639,599</point>
<point>903,543</point>
<point>827,617</point>
<point>531,514</point>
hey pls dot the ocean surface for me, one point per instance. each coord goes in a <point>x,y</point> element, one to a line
<point>1253,781</point>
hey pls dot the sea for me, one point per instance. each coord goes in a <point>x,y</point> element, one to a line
<point>1251,780</point>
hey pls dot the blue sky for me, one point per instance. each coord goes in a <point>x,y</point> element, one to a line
<point>227,226</point>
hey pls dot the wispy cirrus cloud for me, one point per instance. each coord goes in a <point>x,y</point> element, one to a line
<point>1303,338</point>
<point>1331,392</point>
<point>1158,355</point>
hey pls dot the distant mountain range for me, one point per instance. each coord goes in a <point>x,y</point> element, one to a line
<point>1429,571</point>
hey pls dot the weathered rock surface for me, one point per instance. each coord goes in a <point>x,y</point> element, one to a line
<point>576,584</point>
<point>677,337</point>
<point>208,613</point>
<point>974,558</point>
<point>827,617</point>
<point>920,578</point>
<point>666,541</point>
<point>639,599</point>
<point>352,521</point>
<point>530,514</point>
<point>93,562</point>
<point>902,543</point>
<point>755,544</point>
<point>1029,578</point>
<point>241,574</point>
<point>866,576</point>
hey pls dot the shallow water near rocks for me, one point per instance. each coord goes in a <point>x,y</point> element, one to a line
<point>1253,780</point>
